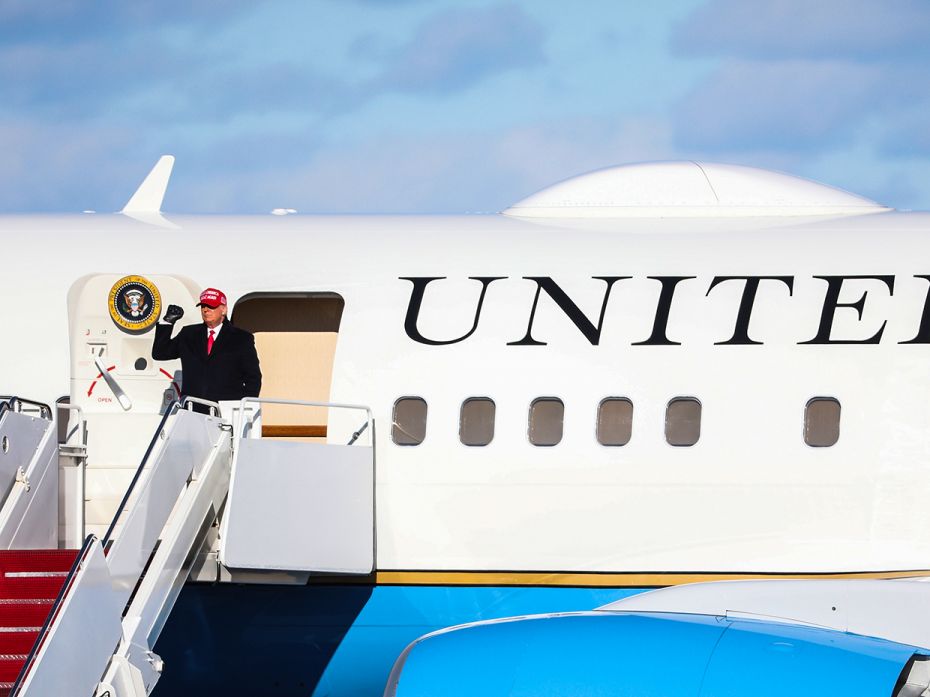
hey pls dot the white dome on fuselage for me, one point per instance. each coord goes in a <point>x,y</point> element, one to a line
<point>688,189</point>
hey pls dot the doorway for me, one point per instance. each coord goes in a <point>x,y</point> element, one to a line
<point>295,336</point>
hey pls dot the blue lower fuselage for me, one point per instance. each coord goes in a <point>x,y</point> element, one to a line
<point>235,640</point>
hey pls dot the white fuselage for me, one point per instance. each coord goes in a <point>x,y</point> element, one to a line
<point>749,496</point>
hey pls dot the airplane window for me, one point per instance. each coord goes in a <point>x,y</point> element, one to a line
<point>476,424</point>
<point>614,421</point>
<point>683,421</point>
<point>546,416</point>
<point>822,422</point>
<point>409,427</point>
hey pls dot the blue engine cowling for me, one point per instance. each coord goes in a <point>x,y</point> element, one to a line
<point>649,655</point>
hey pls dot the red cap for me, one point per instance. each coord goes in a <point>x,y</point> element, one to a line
<point>212,297</point>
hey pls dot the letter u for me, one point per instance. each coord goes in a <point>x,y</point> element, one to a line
<point>416,300</point>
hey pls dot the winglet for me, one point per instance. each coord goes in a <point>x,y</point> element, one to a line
<point>151,192</point>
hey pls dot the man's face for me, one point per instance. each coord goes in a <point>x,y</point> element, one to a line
<point>212,316</point>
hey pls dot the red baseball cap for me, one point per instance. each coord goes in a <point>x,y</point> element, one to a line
<point>212,297</point>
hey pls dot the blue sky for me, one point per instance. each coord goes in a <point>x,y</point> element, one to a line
<point>450,105</point>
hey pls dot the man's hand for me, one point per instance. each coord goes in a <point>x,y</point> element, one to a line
<point>173,314</point>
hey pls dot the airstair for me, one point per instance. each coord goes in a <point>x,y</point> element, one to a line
<point>83,622</point>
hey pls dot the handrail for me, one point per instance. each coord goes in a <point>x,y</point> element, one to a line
<point>15,403</point>
<point>80,456</point>
<point>188,401</point>
<point>173,407</point>
<point>82,422</point>
<point>53,613</point>
<point>358,433</point>
<point>302,403</point>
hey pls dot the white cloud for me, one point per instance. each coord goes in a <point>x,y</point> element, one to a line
<point>75,20</point>
<point>789,105</point>
<point>477,171</point>
<point>56,168</point>
<point>835,29</point>
<point>817,86</point>
<point>456,48</point>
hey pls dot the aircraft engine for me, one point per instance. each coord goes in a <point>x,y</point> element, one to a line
<point>654,654</point>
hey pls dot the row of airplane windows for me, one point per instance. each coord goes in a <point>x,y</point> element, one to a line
<point>614,421</point>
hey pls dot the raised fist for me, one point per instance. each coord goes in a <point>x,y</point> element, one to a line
<point>173,314</point>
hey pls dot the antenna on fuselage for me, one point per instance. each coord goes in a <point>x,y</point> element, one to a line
<point>145,204</point>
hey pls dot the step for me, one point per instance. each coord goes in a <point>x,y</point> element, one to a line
<point>33,574</point>
<point>18,640</point>
<point>15,614</point>
<point>31,585</point>
<point>10,665</point>
<point>36,559</point>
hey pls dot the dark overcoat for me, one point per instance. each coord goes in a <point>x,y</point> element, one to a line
<point>231,371</point>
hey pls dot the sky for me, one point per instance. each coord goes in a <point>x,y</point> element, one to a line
<point>450,106</point>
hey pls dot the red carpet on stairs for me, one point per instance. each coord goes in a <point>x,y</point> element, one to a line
<point>29,583</point>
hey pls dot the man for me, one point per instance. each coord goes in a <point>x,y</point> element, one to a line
<point>218,360</point>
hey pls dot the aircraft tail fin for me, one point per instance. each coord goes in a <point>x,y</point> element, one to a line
<point>151,192</point>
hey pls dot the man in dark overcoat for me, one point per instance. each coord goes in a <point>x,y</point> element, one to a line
<point>218,360</point>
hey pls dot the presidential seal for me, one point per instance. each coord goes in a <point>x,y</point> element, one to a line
<point>135,303</point>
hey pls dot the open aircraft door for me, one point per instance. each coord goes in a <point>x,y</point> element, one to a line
<point>116,387</point>
<point>301,506</point>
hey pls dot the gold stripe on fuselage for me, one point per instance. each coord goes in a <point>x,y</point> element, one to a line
<point>611,580</point>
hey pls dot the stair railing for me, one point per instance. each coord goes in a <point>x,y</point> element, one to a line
<point>172,408</point>
<point>163,475</point>
<point>77,453</point>
<point>249,415</point>
<point>14,403</point>
<point>188,403</point>
<point>159,433</point>
<point>80,427</point>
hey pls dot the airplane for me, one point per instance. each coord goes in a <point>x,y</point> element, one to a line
<point>640,377</point>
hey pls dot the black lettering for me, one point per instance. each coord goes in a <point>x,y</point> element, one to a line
<point>741,330</point>
<point>416,299</point>
<point>923,332</point>
<point>660,326</point>
<point>591,332</point>
<point>831,303</point>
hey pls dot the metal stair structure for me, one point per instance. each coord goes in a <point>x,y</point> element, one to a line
<point>71,616</point>
<point>83,622</point>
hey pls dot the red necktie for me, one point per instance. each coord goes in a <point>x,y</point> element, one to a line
<point>210,342</point>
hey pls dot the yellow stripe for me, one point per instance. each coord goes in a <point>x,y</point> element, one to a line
<point>613,580</point>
